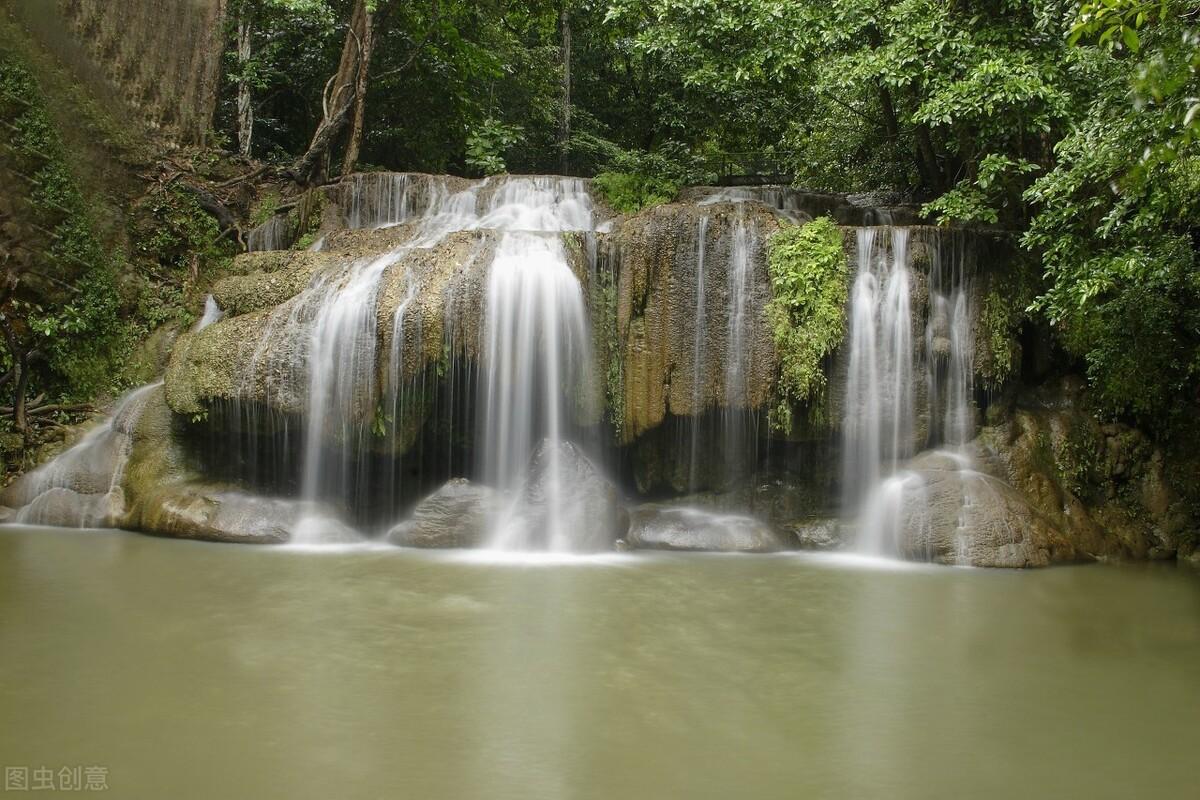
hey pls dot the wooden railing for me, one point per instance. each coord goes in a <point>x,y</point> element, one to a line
<point>752,169</point>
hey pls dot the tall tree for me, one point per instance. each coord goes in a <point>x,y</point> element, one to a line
<point>245,109</point>
<point>564,128</point>
<point>345,92</point>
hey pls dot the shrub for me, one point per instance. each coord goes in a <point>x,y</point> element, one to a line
<point>809,286</point>
<point>629,192</point>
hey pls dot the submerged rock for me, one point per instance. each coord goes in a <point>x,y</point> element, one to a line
<point>456,515</point>
<point>565,503</point>
<point>667,527</point>
<point>816,533</point>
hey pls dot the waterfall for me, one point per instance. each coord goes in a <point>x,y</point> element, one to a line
<point>736,412</point>
<point>727,319</point>
<point>698,358</point>
<point>212,313</point>
<point>878,425</point>
<point>880,429</point>
<point>950,342</point>
<point>341,369</point>
<point>83,486</point>
<point>274,234</point>
<point>536,345</point>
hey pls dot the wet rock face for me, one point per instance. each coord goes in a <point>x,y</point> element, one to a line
<point>215,515</point>
<point>565,503</point>
<point>87,485</point>
<point>671,527</point>
<point>1113,490</point>
<point>952,514</point>
<point>691,328</point>
<point>267,279</point>
<point>259,352</point>
<point>456,515</point>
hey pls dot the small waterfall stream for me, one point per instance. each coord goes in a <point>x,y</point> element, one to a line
<point>536,340</point>
<point>880,429</point>
<point>84,485</point>
<point>698,352</point>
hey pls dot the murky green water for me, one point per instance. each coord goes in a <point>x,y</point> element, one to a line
<point>206,671</point>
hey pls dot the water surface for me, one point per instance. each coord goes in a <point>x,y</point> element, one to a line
<point>197,670</point>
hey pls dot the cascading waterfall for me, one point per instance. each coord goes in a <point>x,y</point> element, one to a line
<point>468,343</point>
<point>83,486</point>
<point>212,313</point>
<point>698,357</point>
<point>536,339</point>
<point>536,345</point>
<point>737,357</point>
<point>879,429</point>
<point>341,369</point>
<point>322,347</point>
<point>274,234</point>
<point>730,292</point>
<point>950,342</point>
<point>534,349</point>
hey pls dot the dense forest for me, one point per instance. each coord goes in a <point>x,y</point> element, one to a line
<point>1072,126</point>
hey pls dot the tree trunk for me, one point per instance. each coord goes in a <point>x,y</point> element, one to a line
<point>20,421</point>
<point>360,97</point>
<point>929,157</point>
<point>20,360</point>
<point>245,111</point>
<point>564,128</point>
<point>339,98</point>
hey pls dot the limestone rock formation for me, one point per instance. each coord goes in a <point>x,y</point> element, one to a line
<point>668,256</point>
<point>1115,492</point>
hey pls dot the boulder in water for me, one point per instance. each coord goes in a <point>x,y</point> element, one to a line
<point>665,527</point>
<point>216,514</point>
<point>565,503</point>
<point>942,510</point>
<point>456,515</point>
<point>817,533</point>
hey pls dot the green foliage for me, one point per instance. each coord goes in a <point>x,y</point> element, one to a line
<point>809,285</point>
<point>264,209</point>
<point>1115,23</point>
<point>982,199</point>
<point>1004,309</point>
<point>73,319</point>
<point>176,232</point>
<point>488,143</point>
<point>629,193</point>
<point>381,423</point>
<point>1114,225</point>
